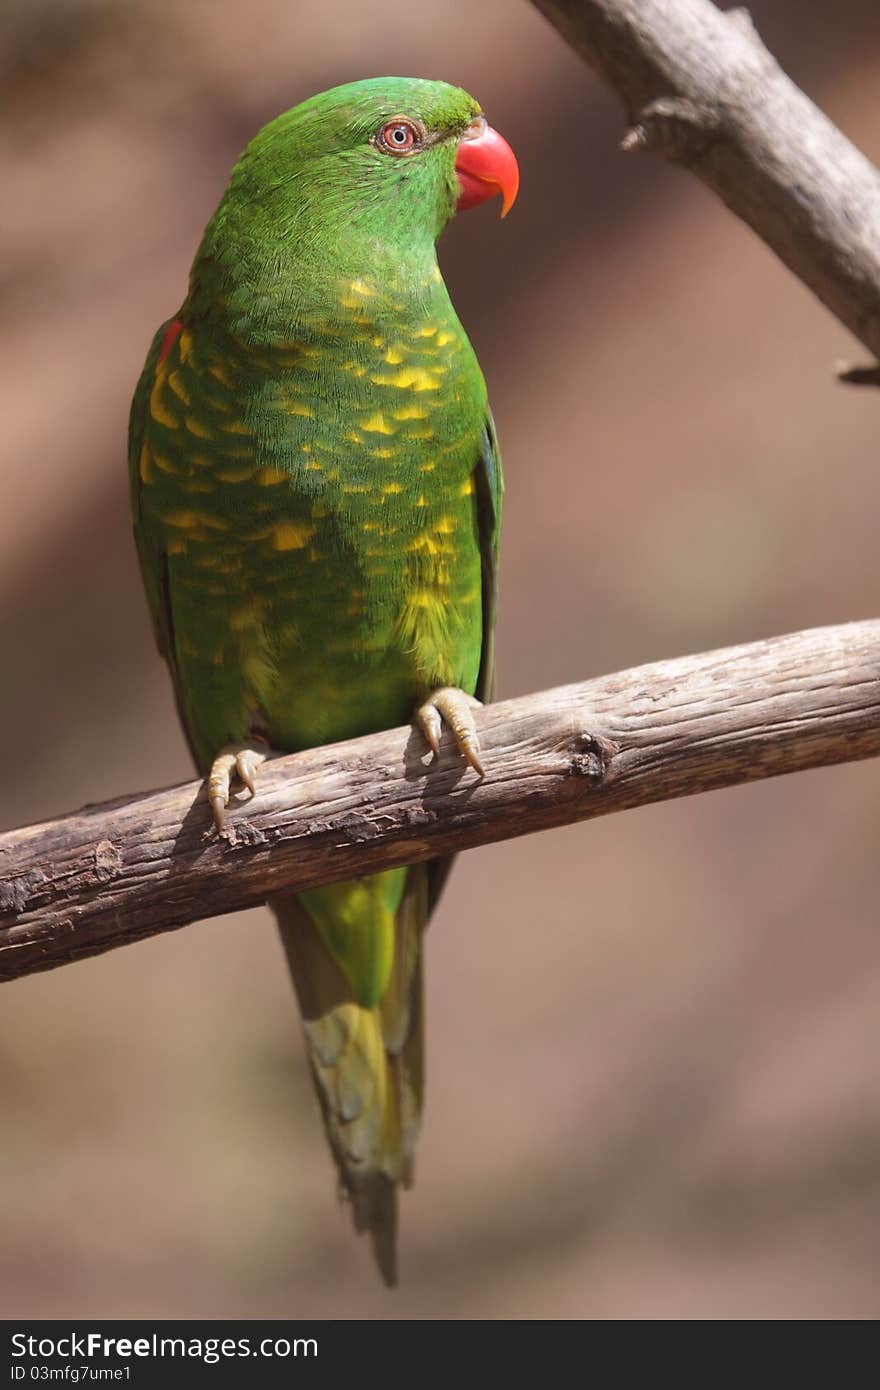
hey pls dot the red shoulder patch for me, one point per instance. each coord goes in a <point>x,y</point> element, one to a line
<point>170,337</point>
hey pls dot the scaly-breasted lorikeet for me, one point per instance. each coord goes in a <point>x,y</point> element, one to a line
<point>316,490</point>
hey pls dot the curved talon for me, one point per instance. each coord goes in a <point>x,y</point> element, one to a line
<point>246,763</point>
<point>456,707</point>
<point>431,725</point>
<point>470,747</point>
<point>245,758</point>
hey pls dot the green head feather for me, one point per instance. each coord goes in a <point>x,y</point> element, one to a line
<point>318,196</point>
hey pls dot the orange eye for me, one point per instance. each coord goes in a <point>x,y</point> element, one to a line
<point>398,136</point>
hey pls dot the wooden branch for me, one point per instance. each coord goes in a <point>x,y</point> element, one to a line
<point>111,874</point>
<point>700,89</point>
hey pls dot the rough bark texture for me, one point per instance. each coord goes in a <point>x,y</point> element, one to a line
<point>700,88</point>
<point>110,874</point>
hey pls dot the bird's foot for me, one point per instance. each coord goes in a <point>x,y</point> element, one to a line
<point>240,758</point>
<point>456,708</point>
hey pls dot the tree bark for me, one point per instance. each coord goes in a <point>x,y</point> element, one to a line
<point>700,89</point>
<point>111,874</point>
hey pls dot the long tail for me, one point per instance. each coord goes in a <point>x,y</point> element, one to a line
<point>367,1062</point>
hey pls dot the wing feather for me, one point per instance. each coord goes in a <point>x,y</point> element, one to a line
<point>488,493</point>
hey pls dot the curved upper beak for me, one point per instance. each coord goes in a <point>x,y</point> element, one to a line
<point>486,166</point>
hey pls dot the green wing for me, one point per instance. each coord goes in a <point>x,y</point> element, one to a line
<point>488,494</point>
<point>151,553</point>
<point>154,561</point>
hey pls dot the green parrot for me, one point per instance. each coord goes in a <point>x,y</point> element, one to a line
<point>316,492</point>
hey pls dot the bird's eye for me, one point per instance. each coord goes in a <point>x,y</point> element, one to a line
<point>399,136</point>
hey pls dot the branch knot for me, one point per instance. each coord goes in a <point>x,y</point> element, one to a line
<point>593,757</point>
<point>675,127</point>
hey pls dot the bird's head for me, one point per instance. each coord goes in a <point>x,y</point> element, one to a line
<point>389,157</point>
<point>356,182</point>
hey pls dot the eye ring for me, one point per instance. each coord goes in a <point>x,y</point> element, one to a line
<point>399,136</point>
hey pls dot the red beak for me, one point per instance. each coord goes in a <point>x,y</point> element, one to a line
<point>486,166</point>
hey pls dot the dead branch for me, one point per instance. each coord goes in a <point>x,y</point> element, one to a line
<point>111,874</point>
<point>701,89</point>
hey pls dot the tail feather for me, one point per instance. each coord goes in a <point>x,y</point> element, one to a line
<point>375,1210</point>
<point>366,1062</point>
<point>402,1023</point>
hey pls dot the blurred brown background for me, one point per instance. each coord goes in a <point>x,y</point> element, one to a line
<point>653,1076</point>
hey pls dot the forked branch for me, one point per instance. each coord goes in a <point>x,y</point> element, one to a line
<point>701,89</point>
